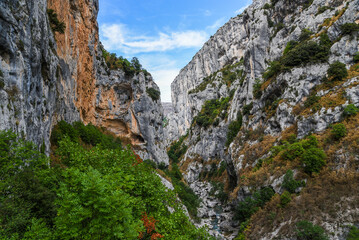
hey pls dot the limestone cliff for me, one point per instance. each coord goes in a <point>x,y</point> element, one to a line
<point>47,76</point>
<point>234,82</point>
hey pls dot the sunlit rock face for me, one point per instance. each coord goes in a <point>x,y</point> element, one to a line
<point>50,76</point>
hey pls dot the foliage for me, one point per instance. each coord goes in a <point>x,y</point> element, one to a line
<point>323,9</point>
<point>210,111</point>
<point>55,24</point>
<point>88,193</point>
<point>306,230</point>
<point>177,149</point>
<point>153,93</point>
<point>25,192</point>
<point>233,129</point>
<point>311,100</point>
<point>289,183</point>
<point>218,191</point>
<point>257,92</point>
<point>307,150</point>
<point>273,69</point>
<point>285,198</point>
<point>247,109</point>
<point>290,45</point>
<point>356,57</point>
<point>337,71</point>
<point>305,35</point>
<point>338,131</point>
<point>353,233</point>
<point>349,28</point>
<point>114,63</point>
<point>350,110</point>
<point>250,205</point>
<point>267,6</point>
<point>80,133</point>
<point>313,160</point>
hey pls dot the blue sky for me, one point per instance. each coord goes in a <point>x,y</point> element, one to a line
<point>164,35</point>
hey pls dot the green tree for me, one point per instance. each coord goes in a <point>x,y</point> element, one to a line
<point>307,231</point>
<point>339,131</point>
<point>337,71</point>
<point>313,160</point>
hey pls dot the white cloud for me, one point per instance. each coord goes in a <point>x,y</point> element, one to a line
<point>207,13</point>
<point>217,24</point>
<point>239,11</point>
<point>118,37</point>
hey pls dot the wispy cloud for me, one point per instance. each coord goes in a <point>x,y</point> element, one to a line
<point>217,24</point>
<point>118,37</point>
<point>239,11</point>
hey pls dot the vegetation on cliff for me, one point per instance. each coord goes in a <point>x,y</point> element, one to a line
<point>91,188</point>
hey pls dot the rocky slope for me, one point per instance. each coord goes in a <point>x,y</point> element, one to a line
<point>268,71</point>
<point>47,76</point>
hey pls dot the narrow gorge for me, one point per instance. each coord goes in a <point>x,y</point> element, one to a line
<point>261,140</point>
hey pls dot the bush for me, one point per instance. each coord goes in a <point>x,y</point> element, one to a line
<point>247,109</point>
<point>356,57</point>
<point>294,151</point>
<point>313,160</point>
<point>322,9</point>
<point>273,69</point>
<point>250,205</point>
<point>337,71</point>
<point>289,183</point>
<point>350,110</point>
<point>353,233</point>
<point>233,129</point>
<point>339,131</point>
<point>267,6</point>
<point>285,198</point>
<point>290,45</point>
<point>210,111</point>
<point>306,230</point>
<point>305,35</point>
<point>2,84</point>
<point>55,24</point>
<point>257,92</point>
<point>349,28</point>
<point>154,94</point>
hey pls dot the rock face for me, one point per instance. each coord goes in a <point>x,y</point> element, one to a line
<point>49,76</point>
<point>231,66</point>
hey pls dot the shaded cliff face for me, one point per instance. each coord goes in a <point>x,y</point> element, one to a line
<point>261,112</point>
<point>49,76</point>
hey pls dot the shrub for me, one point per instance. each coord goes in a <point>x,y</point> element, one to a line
<point>350,110</point>
<point>273,69</point>
<point>356,57</point>
<point>313,160</point>
<point>247,109</point>
<point>322,9</point>
<point>294,151</point>
<point>311,100</point>
<point>250,205</point>
<point>267,6</point>
<point>233,129</point>
<point>349,28</point>
<point>55,24</point>
<point>2,84</point>
<point>257,92</point>
<point>337,71</point>
<point>154,94</point>
<point>338,131</point>
<point>304,53</point>
<point>353,233</point>
<point>306,230</point>
<point>177,149</point>
<point>210,111</point>
<point>305,35</point>
<point>290,45</point>
<point>285,198</point>
<point>289,183</point>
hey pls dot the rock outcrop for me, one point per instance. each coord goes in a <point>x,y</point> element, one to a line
<point>48,76</point>
<point>296,100</point>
